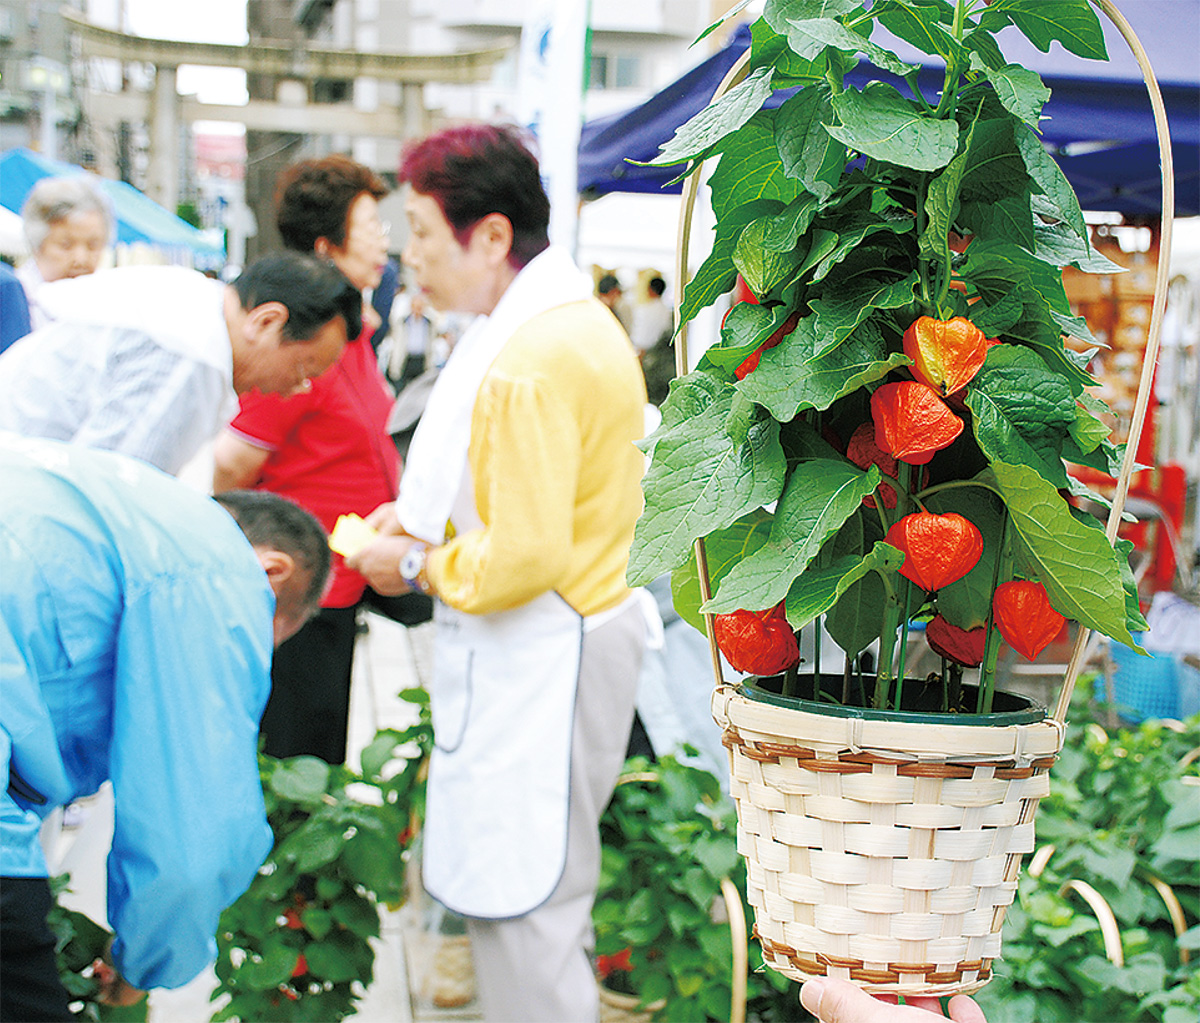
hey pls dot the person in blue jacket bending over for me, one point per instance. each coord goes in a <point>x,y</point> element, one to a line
<point>137,622</point>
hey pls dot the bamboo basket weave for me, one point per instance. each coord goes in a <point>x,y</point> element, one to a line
<point>886,852</point>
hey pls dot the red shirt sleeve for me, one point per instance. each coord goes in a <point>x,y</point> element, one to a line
<point>266,420</point>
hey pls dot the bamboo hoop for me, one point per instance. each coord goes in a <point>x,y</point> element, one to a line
<point>1109,930</point>
<point>1161,283</point>
<point>1150,358</point>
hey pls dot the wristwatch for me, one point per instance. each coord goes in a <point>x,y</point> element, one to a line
<point>412,567</point>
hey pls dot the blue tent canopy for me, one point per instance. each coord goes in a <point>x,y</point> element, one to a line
<point>1099,126</point>
<point>139,218</point>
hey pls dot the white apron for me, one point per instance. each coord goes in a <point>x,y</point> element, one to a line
<point>503,703</point>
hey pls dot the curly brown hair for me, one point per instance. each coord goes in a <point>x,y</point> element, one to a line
<point>313,199</point>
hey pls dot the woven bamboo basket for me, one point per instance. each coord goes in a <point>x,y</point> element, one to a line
<point>883,849</point>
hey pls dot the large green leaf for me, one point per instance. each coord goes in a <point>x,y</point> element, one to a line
<point>717,273</point>
<point>301,779</point>
<point>785,229</point>
<point>1050,179</point>
<point>1021,91</point>
<point>777,13</point>
<point>1008,217</point>
<point>1021,411</point>
<point>820,496</point>
<point>856,620</point>
<point>809,153</point>
<point>712,463</point>
<point>723,549</point>
<point>809,37</point>
<point>941,208</point>
<point>745,328</point>
<point>751,168</point>
<point>884,125</point>
<point>697,137</point>
<point>762,268</point>
<point>838,315</point>
<point>769,48</point>
<point>822,585</point>
<point>847,237</point>
<point>1076,564</point>
<point>790,378</point>
<point>1058,245</point>
<point>923,24</point>
<point>1072,22</point>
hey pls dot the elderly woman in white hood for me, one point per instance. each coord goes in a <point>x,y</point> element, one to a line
<point>68,223</point>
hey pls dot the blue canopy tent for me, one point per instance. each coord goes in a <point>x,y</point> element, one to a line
<point>1099,124</point>
<point>139,218</point>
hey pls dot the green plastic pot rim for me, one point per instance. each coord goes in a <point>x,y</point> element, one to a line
<point>1031,715</point>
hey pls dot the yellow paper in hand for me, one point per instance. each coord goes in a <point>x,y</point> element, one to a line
<point>350,535</point>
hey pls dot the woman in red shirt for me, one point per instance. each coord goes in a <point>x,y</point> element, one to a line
<point>329,451</point>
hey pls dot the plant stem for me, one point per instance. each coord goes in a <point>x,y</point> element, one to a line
<point>991,646</point>
<point>817,654</point>
<point>891,608</point>
<point>791,687</point>
<point>937,488</point>
<point>903,643</point>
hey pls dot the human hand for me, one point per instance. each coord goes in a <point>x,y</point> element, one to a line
<point>379,563</point>
<point>114,989</point>
<point>839,1001</point>
<point>383,520</point>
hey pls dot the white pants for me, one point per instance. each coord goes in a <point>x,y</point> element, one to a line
<point>537,968</point>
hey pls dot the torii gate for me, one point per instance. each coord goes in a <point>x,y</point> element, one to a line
<point>164,109</point>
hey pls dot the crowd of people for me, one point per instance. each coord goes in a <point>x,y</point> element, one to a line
<point>152,636</point>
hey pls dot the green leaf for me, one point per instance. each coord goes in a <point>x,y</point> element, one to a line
<point>717,854</point>
<point>301,779</point>
<point>846,239</point>
<point>359,915</point>
<point>769,48</point>
<point>821,585</point>
<point>1021,91</point>
<point>1008,217</point>
<point>996,317</point>
<point>820,496</point>
<point>706,473</point>
<point>1072,22</point>
<point>745,328</point>
<point>785,229</point>
<point>921,25</point>
<point>995,170</point>
<point>723,549</point>
<point>777,13</point>
<point>1048,176</point>
<point>809,37</point>
<point>1075,563</point>
<point>791,377</point>
<point>717,273</point>
<point>967,602</point>
<point>316,843</point>
<point>941,207</point>
<point>809,153</point>
<point>855,620</point>
<point>751,168</point>
<point>1021,411</point>
<point>838,317</point>
<point>762,268</point>
<point>884,125</point>
<point>733,12</point>
<point>1087,430</point>
<point>317,921</point>
<point>1058,245</point>
<point>717,120</point>
<point>273,968</point>
<point>331,961</point>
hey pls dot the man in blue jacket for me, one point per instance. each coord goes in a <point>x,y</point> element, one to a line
<point>137,622</point>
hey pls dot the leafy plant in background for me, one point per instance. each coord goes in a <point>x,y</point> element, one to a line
<point>669,837</point>
<point>884,431</point>
<point>78,943</point>
<point>1123,808</point>
<point>295,945</point>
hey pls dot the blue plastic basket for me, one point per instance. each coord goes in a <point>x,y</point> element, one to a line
<point>1144,686</point>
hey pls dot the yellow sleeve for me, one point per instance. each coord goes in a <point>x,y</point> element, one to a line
<point>524,461</point>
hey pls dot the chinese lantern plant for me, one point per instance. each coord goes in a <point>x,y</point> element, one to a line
<point>884,433</point>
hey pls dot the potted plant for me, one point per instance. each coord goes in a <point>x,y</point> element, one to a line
<point>883,435</point>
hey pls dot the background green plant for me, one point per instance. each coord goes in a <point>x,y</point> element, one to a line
<point>295,945</point>
<point>669,837</point>
<point>1121,808</point>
